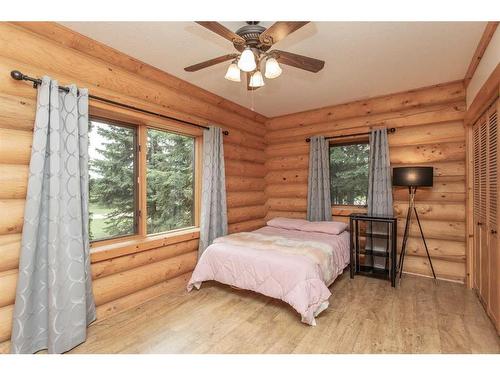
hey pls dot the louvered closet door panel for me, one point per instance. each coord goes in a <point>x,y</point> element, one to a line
<point>483,199</point>
<point>476,199</point>
<point>493,211</point>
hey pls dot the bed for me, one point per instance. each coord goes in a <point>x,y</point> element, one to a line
<point>289,259</point>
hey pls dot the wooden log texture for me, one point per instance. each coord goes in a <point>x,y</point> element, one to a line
<point>129,272</point>
<point>8,282</point>
<point>10,246</point>
<point>11,217</point>
<point>127,262</point>
<point>438,94</point>
<point>120,284</point>
<point>430,132</point>
<point>246,226</point>
<point>13,181</point>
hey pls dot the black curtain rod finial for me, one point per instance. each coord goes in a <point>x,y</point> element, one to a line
<point>17,75</point>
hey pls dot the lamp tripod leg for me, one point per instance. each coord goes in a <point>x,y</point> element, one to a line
<point>406,233</point>
<point>425,243</point>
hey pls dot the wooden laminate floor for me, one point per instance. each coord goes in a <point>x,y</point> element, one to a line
<point>365,316</point>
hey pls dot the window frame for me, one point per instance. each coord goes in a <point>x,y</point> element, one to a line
<point>142,123</point>
<point>350,142</point>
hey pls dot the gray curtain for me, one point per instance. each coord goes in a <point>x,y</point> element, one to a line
<point>54,300</point>
<point>379,175</point>
<point>319,203</point>
<point>213,221</point>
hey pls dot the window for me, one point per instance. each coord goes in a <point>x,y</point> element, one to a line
<point>170,181</point>
<point>349,173</point>
<point>142,180</point>
<point>112,188</point>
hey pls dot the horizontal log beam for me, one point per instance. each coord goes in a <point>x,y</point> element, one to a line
<point>240,184</point>
<point>12,222</point>
<point>246,226</point>
<point>245,198</point>
<point>240,214</point>
<point>8,282</point>
<point>15,146</point>
<point>433,210</point>
<point>171,286</point>
<point>17,113</point>
<point>127,262</point>
<point>244,168</point>
<point>429,115</point>
<point>422,97</point>
<point>10,246</point>
<point>13,181</point>
<point>444,270</point>
<point>121,284</point>
<point>6,323</point>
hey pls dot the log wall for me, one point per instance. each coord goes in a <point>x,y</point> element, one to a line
<point>430,132</point>
<point>124,274</point>
<point>266,161</point>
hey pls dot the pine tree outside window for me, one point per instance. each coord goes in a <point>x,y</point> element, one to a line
<point>143,180</point>
<point>349,173</point>
<point>112,186</point>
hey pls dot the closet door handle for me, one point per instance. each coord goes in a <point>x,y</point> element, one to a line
<point>479,223</point>
<point>493,231</point>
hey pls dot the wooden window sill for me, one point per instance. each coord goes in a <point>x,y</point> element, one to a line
<point>109,249</point>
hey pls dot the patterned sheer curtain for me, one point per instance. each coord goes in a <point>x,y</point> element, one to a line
<point>213,221</point>
<point>54,300</point>
<point>319,203</point>
<point>379,175</point>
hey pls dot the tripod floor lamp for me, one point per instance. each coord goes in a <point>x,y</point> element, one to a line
<point>413,178</point>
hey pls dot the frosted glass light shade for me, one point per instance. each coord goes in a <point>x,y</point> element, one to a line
<point>256,80</point>
<point>273,69</point>
<point>247,61</point>
<point>233,73</point>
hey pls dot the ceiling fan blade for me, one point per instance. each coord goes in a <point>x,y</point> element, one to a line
<point>298,61</point>
<point>223,31</point>
<point>279,30</point>
<point>249,74</point>
<point>206,64</point>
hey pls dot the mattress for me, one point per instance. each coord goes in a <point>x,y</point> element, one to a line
<point>288,273</point>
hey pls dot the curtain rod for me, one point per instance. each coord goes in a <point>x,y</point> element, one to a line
<point>18,76</point>
<point>390,130</point>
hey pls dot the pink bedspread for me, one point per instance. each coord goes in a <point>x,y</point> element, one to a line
<point>293,278</point>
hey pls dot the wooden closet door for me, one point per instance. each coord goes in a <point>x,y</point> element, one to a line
<point>493,212</point>
<point>484,262</point>
<point>476,205</point>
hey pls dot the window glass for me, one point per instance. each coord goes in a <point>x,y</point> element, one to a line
<point>349,174</point>
<point>112,183</point>
<point>170,181</point>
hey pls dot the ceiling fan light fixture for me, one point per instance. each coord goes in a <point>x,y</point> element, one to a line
<point>273,69</point>
<point>247,60</point>
<point>233,73</point>
<point>256,80</point>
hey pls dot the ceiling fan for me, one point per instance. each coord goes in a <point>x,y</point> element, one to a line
<point>253,42</point>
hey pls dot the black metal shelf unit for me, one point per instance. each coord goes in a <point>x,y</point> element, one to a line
<point>373,246</point>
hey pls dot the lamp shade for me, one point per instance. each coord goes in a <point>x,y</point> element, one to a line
<point>233,73</point>
<point>412,176</point>
<point>247,61</point>
<point>256,80</point>
<point>273,69</point>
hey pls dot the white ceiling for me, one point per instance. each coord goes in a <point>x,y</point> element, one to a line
<point>363,59</point>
